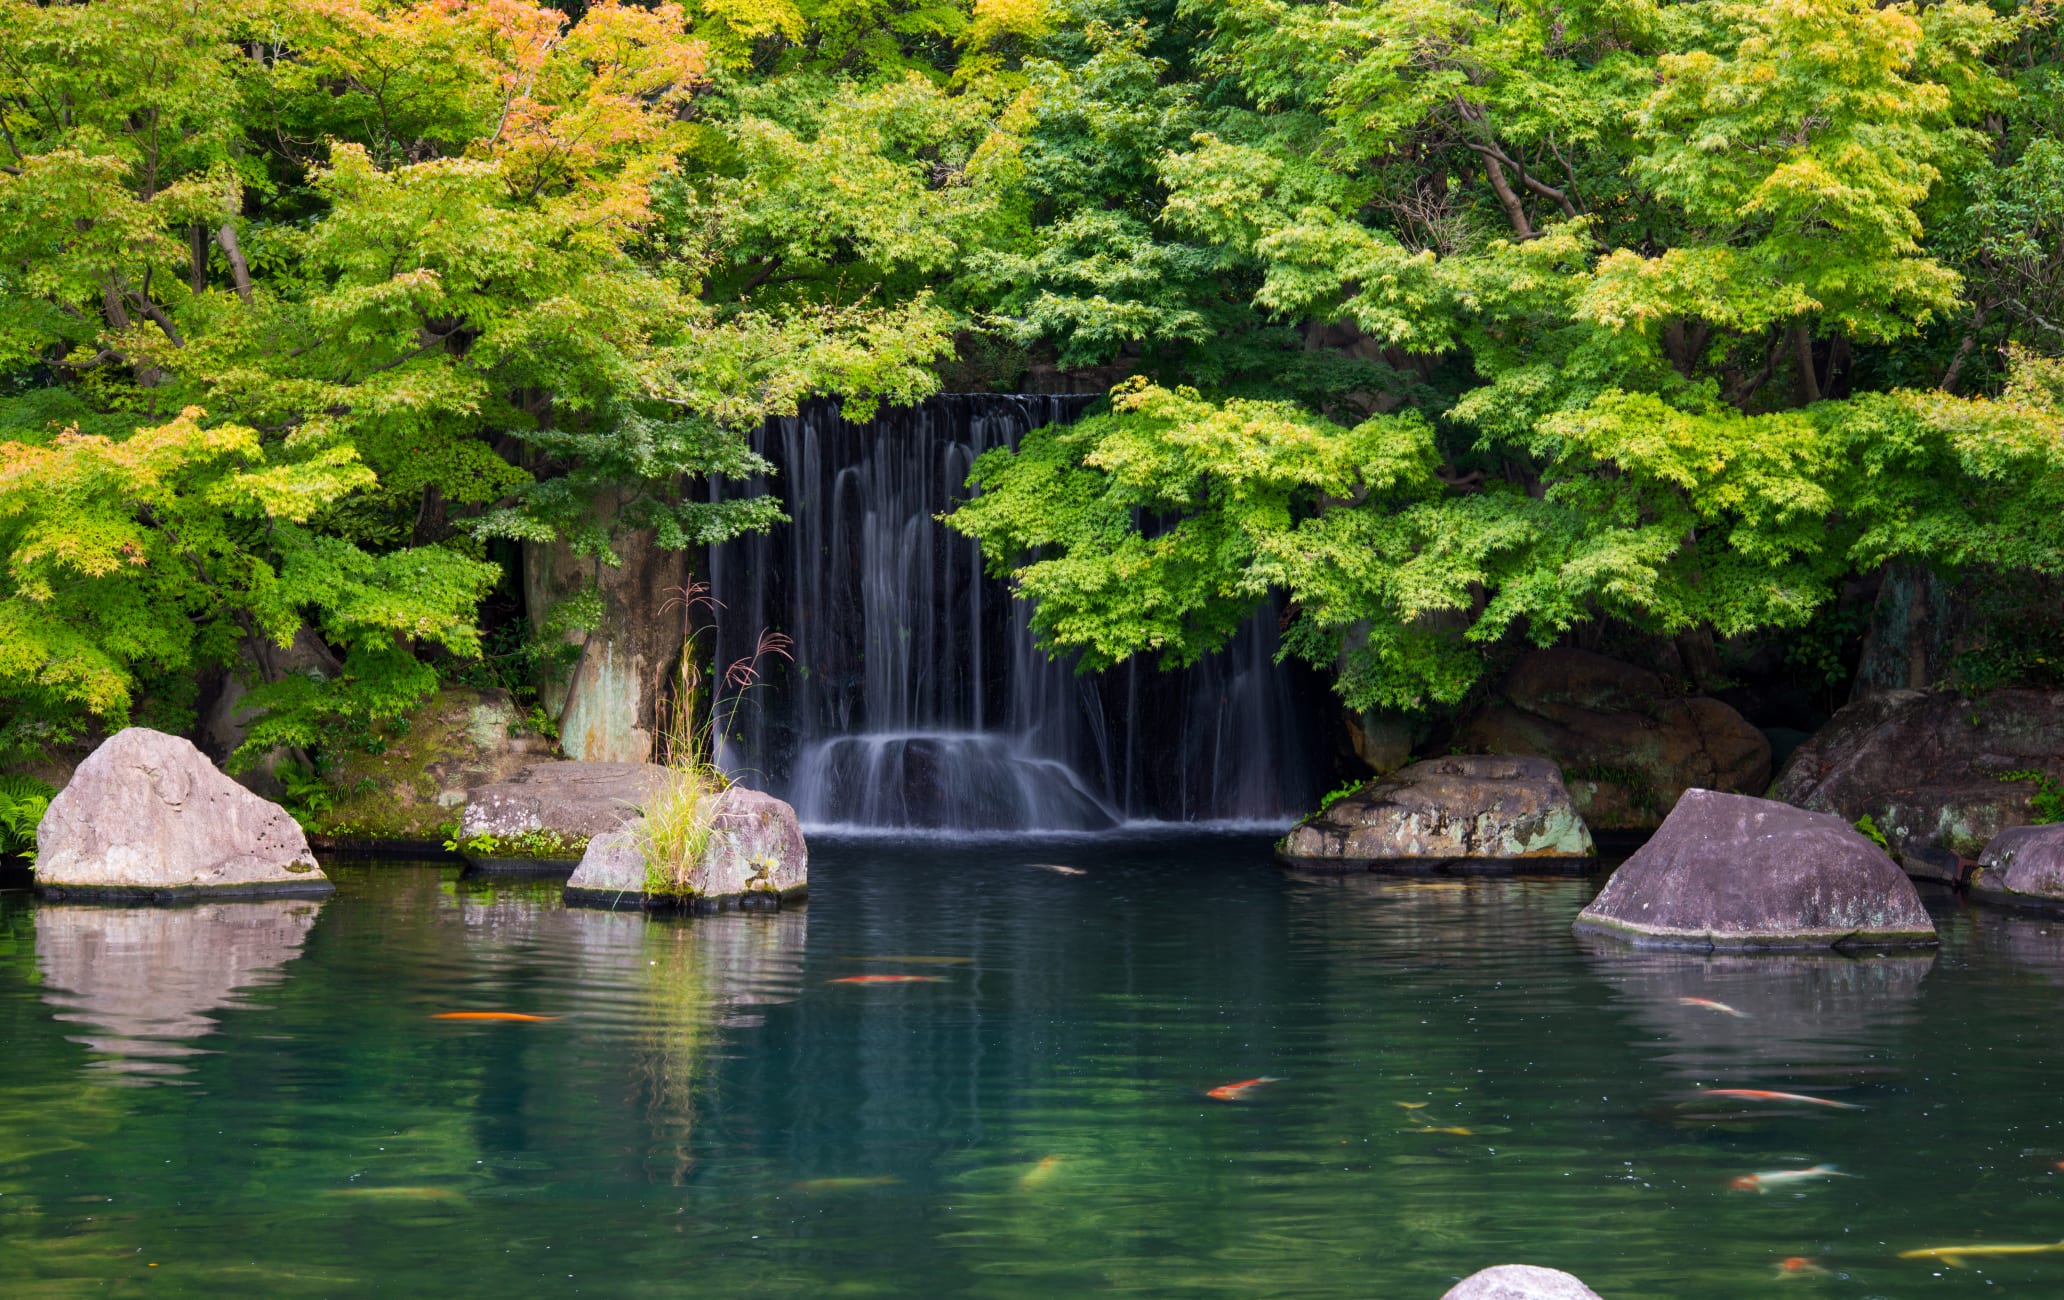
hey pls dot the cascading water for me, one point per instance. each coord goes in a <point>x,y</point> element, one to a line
<point>916,696</point>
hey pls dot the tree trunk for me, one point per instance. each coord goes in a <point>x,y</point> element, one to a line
<point>1802,363</point>
<point>610,705</point>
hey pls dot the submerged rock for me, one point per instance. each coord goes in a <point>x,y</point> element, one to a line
<point>2023,864</point>
<point>1627,744</point>
<point>1520,1282</point>
<point>756,853</point>
<point>1927,768</point>
<point>456,742</point>
<point>554,809</point>
<point>147,815</point>
<point>1461,813</point>
<point>1729,872</point>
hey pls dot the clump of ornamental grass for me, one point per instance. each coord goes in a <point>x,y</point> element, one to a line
<point>681,815</point>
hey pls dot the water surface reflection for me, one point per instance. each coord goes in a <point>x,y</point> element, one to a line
<point>1793,1016</point>
<point>143,980</point>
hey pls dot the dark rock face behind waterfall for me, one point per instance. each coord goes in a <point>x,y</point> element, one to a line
<point>916,696</point>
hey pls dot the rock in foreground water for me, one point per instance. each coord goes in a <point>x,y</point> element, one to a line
<point>1520,1282</point>
<point>1472,813</point>
<point>756,853</point>
<point>1731,872</point>
<point>2023,864</point>
<point>148,816</point>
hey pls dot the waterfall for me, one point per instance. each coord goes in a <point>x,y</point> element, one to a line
<point>917,698</point>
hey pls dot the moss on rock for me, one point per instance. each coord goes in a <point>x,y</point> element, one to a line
<point>413,785</point>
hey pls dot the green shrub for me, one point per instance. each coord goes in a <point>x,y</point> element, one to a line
<point>23,801</point>
<point>2046,805</point>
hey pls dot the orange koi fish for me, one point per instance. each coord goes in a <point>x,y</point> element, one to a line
<point>517,1016</point>
<point>1451,1132</point>
<point>1762,1094</point>
<point>1783,1178</point>
<point>1711,1005</point>
<point>1235,1091</point>
<point>889,979</point>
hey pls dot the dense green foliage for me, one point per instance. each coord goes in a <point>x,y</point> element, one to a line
<point>1450,323</point>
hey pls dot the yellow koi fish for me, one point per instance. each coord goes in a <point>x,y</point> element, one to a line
<point>843,1184</point>
<point>1954,1256</point>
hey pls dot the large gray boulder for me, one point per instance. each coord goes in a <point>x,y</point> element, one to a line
<point>1729,872</point>
<point>569,802</point>
<point>148,816</point>
<point>1926,768</point>
<point>1628,743</point>
<point>1472,813</point>
<point>756,854</point>
<point>2023,865</point>
<point>1520,1282</point>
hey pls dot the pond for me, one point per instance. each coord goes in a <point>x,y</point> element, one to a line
<point>255,1098</point>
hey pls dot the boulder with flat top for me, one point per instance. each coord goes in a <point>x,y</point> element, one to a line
<point>1727,872</point>
<point>1520,1282</point>
<point>572,801</point>
<point>146,815</point>
<point>755,855</point>
<point>1467,812</point>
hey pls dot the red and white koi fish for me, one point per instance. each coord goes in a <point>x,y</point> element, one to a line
<point>1799,1266</point>
<point>517,1016</point>
<point>889,979</point>
<point>1764,1094</point>
<point>1711,1005</point>
<point>1236,1091</point>
<point>1784,1178</point>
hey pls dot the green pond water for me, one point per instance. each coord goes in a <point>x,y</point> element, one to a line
<point>254,1098</point>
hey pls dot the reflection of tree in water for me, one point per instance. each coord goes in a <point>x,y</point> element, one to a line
<point>143,979</point>
<point>1806,1015</point>
<point>700,975</point>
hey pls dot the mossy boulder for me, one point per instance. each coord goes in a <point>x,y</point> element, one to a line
<point>1462,813</point>
<point>414,786</point>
